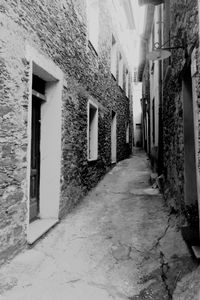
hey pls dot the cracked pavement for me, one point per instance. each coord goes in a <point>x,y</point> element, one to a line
<point>119,243</point>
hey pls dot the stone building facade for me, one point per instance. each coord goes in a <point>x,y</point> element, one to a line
<point>63,114</point>
<point>180,106</point>
<point>178,145</point>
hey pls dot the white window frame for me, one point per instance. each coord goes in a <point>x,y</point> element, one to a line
<point>92,145</point>
<point>127,132</point>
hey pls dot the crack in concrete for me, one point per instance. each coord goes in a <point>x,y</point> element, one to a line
<point>125,255</point>
<point>133,248</point>
<point>164,269</point>
<point>120,193</point>
<point>82,237</point>
<point>164,264</point>
<point>73,281</point>
<point>161,237</point>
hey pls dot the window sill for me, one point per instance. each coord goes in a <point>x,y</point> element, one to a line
<point>92,159</point>
<point>38,228</point>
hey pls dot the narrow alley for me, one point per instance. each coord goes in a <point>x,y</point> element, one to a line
<point>120,243</point>
<point>99,150</point>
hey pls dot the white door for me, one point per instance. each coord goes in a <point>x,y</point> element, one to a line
<point>113,139</point>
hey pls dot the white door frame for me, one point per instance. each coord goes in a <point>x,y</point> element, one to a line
<point>50,143</point>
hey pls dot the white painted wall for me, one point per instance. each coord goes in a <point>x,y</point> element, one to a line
<point>93,22</point>
<point>114,57</point>
<point>137,112</point>
<point>124,35</point>
<point>120,77</point>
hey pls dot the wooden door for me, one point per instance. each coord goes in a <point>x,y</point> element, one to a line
<point>35,158</point>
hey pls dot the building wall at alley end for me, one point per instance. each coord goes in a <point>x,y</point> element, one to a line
<point>58,31</point>
<point>183,21</point>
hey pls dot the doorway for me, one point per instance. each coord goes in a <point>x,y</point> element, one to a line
<point>35,159</point>
<point>113,138</point>
<point>38,97</point>
<point>44,144</point>
<point>190,182</point>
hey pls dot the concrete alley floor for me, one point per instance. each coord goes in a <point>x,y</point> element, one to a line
<point>119,243</point>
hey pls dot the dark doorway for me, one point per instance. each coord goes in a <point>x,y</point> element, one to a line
<point>190,180</point>
<point>35,158</point>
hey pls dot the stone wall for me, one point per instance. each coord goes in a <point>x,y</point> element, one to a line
<point>58,30</point>
<point>183,21</point>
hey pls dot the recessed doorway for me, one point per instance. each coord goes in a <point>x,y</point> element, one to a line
<point>44,144</point>
<point>190,180</point>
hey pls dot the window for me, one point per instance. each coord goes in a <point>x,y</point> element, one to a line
<point>127,132</point>
<point>127,84</point>
<point>93,22</point>
<point>114,57</point>
<point>120,75</point>
<point>92,134</point>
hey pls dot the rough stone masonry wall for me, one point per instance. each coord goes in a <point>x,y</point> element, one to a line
<point>58,30</point>
<point>183,19</point>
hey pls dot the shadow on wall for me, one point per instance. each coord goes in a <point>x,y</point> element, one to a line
<point>154,158</point>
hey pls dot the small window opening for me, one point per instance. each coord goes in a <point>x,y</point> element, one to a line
<point>92,131</point>
<point>127,132</point>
